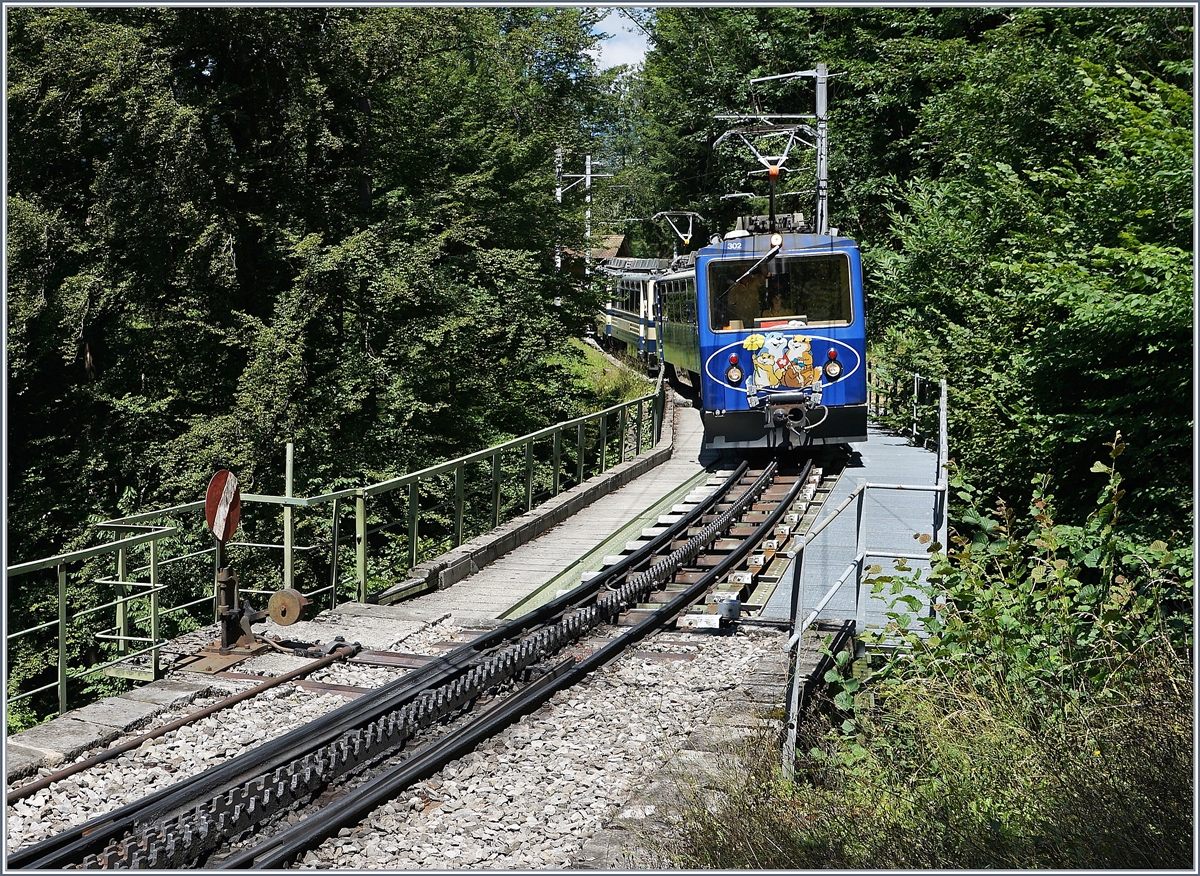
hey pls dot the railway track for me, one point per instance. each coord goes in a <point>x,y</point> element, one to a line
<point>468,694</point>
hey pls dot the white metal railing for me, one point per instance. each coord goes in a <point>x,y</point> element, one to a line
<point>854,572</point>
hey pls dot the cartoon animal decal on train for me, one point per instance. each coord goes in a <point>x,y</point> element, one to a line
<point>781,362</point>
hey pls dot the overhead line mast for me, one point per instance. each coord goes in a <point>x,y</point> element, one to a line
<point>586,178</point>
<point>797,131</point>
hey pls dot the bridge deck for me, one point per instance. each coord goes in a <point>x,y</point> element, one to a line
<point>523,577</point>
<point>891,519</point>
<point>529,575</point>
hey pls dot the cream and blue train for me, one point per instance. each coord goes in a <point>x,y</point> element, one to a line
<point>770,328</point>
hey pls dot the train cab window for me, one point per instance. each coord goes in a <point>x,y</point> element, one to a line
<point>814,290</point>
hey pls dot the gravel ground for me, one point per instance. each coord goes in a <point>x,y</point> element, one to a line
<point>194,748</point>
<point>532,796</point>
<point>529,798</point>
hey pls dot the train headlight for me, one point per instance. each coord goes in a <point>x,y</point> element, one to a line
<point>734,373</point>
<point>833,368</point>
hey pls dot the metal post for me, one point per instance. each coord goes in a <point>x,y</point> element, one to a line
<point>603,443</point>
<point>641,404</point>
<point>943,523</point>
<point>941,502</point>
<point>579,453</point>
<point>587,216</point>
<point>793,716</point>
<point>860,604</point>
<point>557,461</point>
<point>218,564</point>
<point>62,638</point>
<point>528,475</point>
<point>289,523</point>
<point>154,669</point>
<point>659,407</point>
<point>360,544</point>
<point>624,430</point>
<point>414,521</point>
<point>495,489</point>
<point>558,192</point>
<point>795,610</point>
<point>333,554</point>
<point>915,385</point>
<point>822,149</point>
<point>122,597</point>
<point>459,502</point>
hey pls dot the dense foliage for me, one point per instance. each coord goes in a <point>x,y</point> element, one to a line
<point>233,227</point>
<point>229,228</point>
<point>1043,718</point>
<point>1021,181</point>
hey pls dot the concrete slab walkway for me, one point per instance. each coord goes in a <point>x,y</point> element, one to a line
<point>491,592</point>
<point>891,518</point>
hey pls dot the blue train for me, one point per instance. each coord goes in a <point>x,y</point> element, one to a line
<point>768,327</point>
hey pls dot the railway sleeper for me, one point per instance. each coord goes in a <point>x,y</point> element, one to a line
<point>186,839</point>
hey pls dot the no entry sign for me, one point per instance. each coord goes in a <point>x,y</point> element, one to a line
<point>223,505</point>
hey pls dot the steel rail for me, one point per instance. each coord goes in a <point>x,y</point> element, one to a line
<point>90,838</point>
<point>280,850</point>
<point>195,834</point>
<point>109,753</point>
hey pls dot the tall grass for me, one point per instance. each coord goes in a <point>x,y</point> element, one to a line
<point>962,773</point>
<point>601,380</point>
<point>1043,718</point>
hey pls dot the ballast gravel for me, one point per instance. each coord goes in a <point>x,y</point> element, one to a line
<point>528,798</point>
<point>193,748</point>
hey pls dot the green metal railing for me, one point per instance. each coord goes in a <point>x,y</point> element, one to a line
<point>904,401</point>
<point>160,567</point>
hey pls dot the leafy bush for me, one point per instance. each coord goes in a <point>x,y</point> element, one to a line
<point>1054,607</point>
<point>960,773</point>
<point>1042,718</point>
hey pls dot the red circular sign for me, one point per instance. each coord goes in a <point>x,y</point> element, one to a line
<point>223,505</point>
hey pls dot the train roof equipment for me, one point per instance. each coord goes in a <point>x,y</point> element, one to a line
<point>771,138</point>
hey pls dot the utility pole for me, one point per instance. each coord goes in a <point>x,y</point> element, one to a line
<point>587,214</point>
<point>796,130</point>
<point>821,74</point>
<point>586,178</point>
<point>558,190</point>
<point>822,77</point>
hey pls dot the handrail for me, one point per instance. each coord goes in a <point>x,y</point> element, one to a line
<point>856,569</point>
<point>488,453</point>
<point>618,423</point>
<point>87,553</point>
<point>901,399</point>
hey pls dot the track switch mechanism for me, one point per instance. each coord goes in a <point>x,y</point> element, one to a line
<point>284,607</point>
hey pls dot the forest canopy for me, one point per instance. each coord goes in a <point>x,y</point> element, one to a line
<point>1021,181</point>
<point>233,227</point>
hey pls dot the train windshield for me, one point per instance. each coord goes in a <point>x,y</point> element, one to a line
<point>814,289</point>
